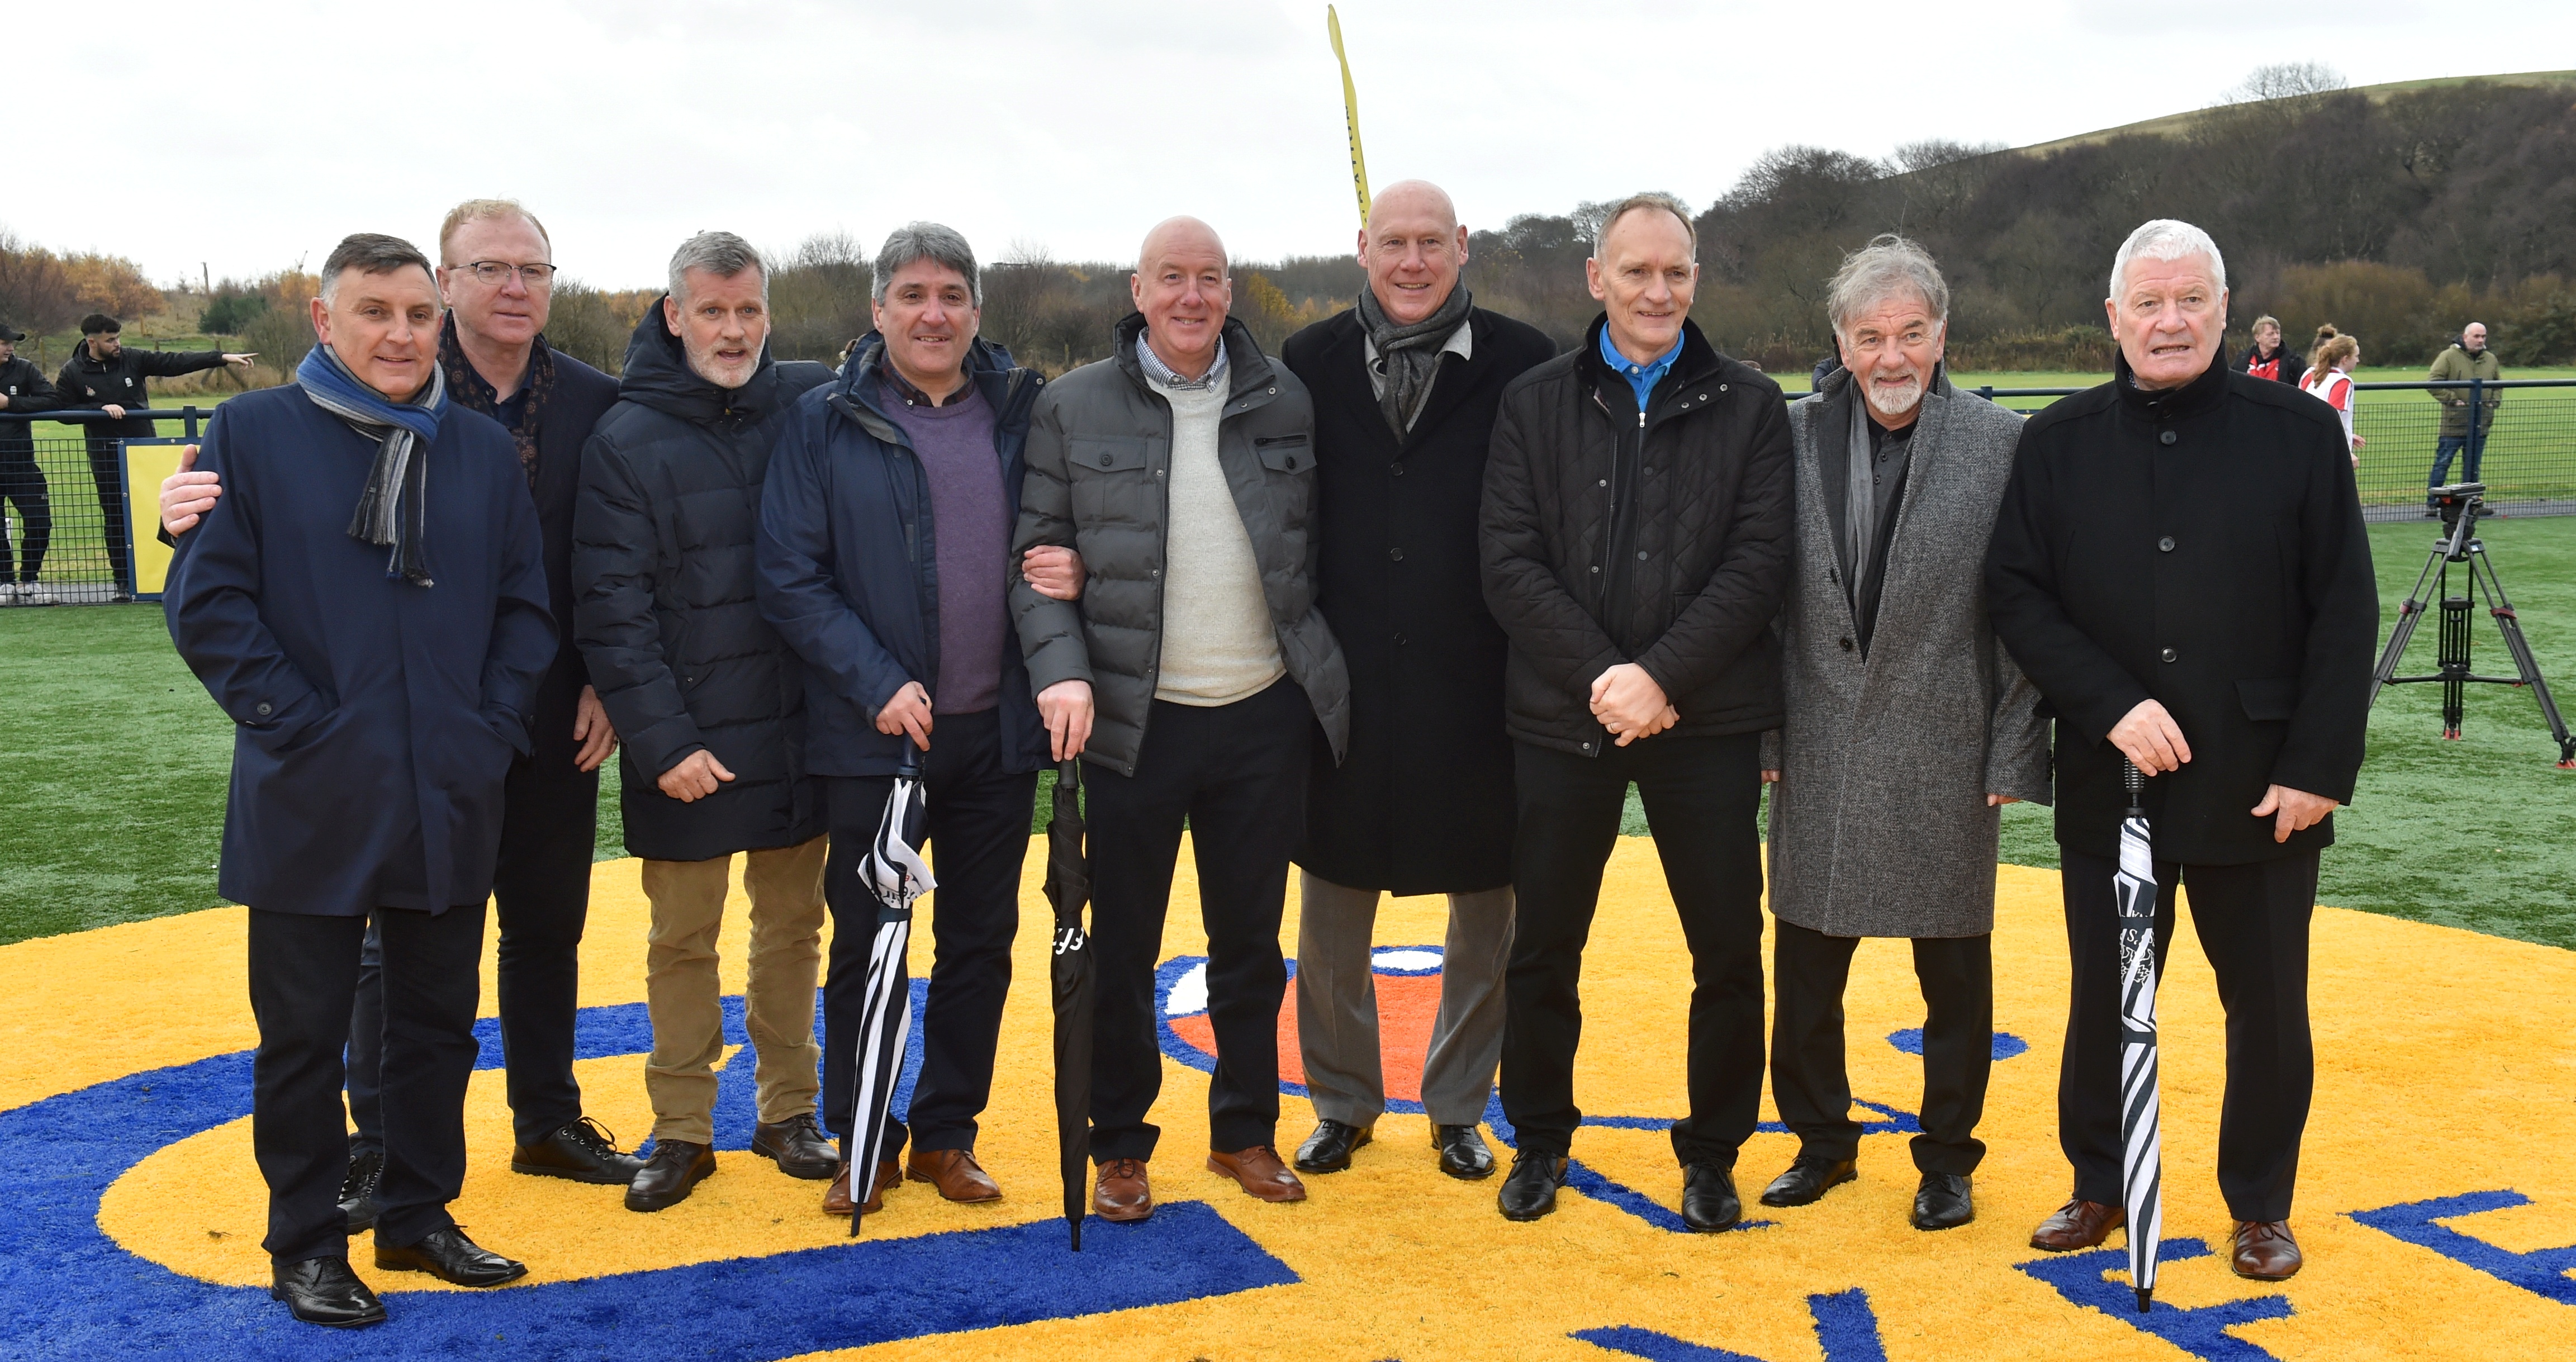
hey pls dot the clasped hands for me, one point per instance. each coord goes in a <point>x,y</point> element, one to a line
<point>1630,704</point>
<point>2153,742</point>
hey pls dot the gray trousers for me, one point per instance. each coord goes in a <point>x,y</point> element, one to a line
<point>1337,1004</point>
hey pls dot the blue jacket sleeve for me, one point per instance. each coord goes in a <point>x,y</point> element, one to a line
<point>211,603</point>
<point>800,594</point>
<point>523,620</point>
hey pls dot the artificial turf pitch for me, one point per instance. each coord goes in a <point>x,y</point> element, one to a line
<point>113,764</point>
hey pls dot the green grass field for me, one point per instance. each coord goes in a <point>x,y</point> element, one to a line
<point>115,765</point>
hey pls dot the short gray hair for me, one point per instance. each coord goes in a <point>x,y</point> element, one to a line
<point>1666,202</point>
<point>2166,239</point>
<point>365,252</point>
<point>1889,265</point>
<point>917,241</point>
<point>721,254</point>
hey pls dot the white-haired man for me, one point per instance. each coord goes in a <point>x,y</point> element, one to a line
<point>2179,563</point>
<point>1908,727</point>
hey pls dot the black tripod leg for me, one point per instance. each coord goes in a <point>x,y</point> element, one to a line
<point>2408,616</point>
<point>2525,665</point>
<point>2454,652</point>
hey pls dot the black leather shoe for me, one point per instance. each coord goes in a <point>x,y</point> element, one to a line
<point>1808,1179</point>
<point>582,1151</point>
<point>1328,1150</point>
<point>665,1179</point>
<point>452,1258</point>
<point>1530,1191</point>
<point>358,1191</point>
<point>1462,1152</point>
<point>324,1291</point>
<point>1943,1202</point>
<point>798,1148</point>
<point>1709,1202</point>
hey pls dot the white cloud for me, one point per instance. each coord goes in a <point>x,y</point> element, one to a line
<point>265,130</point>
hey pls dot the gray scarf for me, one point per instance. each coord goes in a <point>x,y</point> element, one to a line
<point>1409,356</point>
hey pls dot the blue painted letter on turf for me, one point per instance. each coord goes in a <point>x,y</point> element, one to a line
<point>1845,1325</point>
<point>2542,1272</point>
<point>2201,1332</point>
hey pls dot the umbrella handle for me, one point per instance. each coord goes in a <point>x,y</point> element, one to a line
<point>2135,781</point>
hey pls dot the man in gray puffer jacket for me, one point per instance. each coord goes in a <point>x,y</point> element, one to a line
<point>1189,675</point>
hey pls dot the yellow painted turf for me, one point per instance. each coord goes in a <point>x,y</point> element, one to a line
<point>2445,1066</point>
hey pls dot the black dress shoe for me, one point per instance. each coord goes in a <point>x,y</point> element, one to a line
<point>358,1191</point>
<point>665,1179</point>
<point>452,1258</point>
<point>1709,1202</point>
<point>1462,1152</point>
<point>1530,1191</point>
<point>1809,1178</point>
<point>324,1291</point>
<point>582,1151</point>
<point>798,1148</point>
<point>1328,1150</point>
<point>1943,1202</point>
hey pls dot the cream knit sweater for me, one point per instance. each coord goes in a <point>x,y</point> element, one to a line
<point>1218,642</point>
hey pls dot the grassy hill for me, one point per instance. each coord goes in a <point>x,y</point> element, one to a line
<point>2181,124</point>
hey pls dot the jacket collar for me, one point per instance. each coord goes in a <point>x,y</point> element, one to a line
<point>858,396</point>
<point>2171,404</point>
<point>1698,359</point>
<point>1251,368</point>
<point>658,376</point>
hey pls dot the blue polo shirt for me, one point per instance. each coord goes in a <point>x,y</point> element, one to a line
<point>1642,377</point>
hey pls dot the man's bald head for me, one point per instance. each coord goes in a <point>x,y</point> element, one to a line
<point>1185,235</point>
<point>1415,199</point>
<point>1412,248</point>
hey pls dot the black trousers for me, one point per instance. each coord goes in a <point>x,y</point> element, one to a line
<point>2253,926</point>
<point>977,829</point>
<point>541,888</point>
<point>1701,795</point>
<point>1808,1080</point>
<point>1237,775</point>
<point>22,484</point>
<point>107,473</point>
<point>303,980</point>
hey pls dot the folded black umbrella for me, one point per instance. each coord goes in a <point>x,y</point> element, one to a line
<point>2142,1163</point>
<point>894,870</point>
<point>1068,887</point>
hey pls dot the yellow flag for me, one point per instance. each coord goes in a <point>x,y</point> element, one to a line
<point>1351,112</point>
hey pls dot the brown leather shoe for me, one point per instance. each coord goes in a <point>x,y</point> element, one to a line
<point>954,1172</point>
<point>2263,1251</point>
<point>836,1198</point>
<point>2078,1224</point>
<point>1260,1172</point>
<point>1122,1193</point>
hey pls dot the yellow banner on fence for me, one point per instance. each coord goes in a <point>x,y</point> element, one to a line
<point>147,462</point>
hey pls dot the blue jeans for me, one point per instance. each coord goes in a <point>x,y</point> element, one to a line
<point>2475,447</point>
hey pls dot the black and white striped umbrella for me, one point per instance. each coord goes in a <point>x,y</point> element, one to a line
<point>2142,1161</point>
<point>895,872</point>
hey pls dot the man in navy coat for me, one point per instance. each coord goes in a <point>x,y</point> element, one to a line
<point>377,635</point>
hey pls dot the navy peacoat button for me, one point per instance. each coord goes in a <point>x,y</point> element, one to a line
<point>1395,554</point>
<point>2165,545</point>
<point>263,709</point>
<point>2167,438</point>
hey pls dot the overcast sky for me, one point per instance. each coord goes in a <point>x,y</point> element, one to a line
<point>262,131</point>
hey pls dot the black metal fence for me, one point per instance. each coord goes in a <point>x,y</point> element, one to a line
<point>62,505</point>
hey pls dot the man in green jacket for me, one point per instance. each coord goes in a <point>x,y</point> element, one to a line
<point>2467,358</point>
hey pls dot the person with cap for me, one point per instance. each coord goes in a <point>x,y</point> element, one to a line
<point>23,391</point>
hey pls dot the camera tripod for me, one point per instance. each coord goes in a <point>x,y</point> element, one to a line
<point>2461,504</point>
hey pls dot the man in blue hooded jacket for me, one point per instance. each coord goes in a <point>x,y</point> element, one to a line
<point>376,635</point>
<point>885,563</point>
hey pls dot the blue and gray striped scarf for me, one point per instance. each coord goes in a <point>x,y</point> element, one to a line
<point>392,511</point>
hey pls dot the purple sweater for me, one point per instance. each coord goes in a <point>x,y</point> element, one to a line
<point>970,527</point>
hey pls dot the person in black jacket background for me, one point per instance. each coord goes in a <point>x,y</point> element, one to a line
<point>2180,565</point>
<point>494,352</point>
<point>103,375</point>
<point>1636,567</point>
<point>1405,387</point>
<point>709,702</point>
<point>2268,358</point>
<point>23,390</point>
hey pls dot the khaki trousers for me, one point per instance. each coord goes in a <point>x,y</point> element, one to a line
<point>685,998</point>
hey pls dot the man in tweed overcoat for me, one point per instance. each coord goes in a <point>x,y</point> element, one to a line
<point>1908,726</point>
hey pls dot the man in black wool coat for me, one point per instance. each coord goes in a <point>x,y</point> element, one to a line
<point>2180,565</point>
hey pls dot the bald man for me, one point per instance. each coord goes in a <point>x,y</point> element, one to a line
<point>1405,386</point>
<point>1189,676</point>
